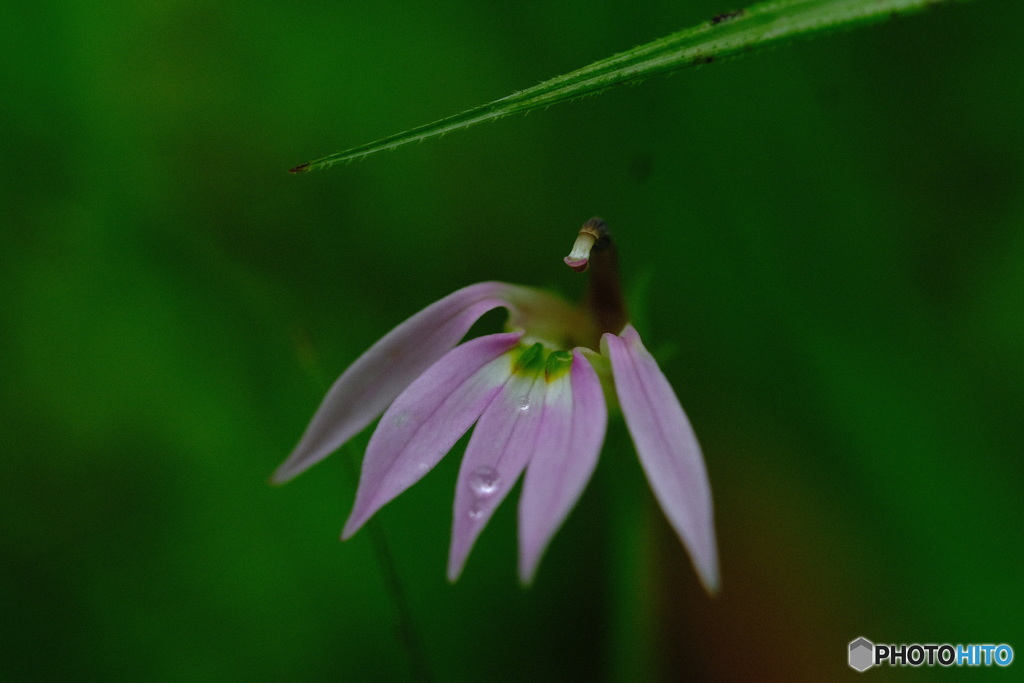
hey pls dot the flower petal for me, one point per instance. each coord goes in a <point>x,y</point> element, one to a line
<point>667,448</point>
<point>499,449</point>
<point>571,433</point>
<point>366,388</point>
<point>426,420</point>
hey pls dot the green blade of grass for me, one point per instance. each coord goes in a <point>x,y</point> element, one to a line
<point>725,35</point>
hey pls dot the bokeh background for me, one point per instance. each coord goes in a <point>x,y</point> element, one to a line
<point>822,244</point>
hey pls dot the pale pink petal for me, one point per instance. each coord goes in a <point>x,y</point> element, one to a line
<point>667,447</point>
<point>571,433</point>
<point>426,420</point>
<point>502,443</point>
<point>366,388</point>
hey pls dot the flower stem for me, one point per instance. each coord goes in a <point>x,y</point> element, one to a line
<point>631,593</point>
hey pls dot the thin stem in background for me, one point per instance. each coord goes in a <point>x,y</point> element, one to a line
<point>403,614</point>
<point>404,624</point>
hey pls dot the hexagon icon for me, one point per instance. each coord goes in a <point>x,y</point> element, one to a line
<point>862,654</point>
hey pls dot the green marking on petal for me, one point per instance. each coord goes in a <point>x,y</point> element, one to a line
<point>530,360</point>
<point>558,365</point>
<point>536,360</point>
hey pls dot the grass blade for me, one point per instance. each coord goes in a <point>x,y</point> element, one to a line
<point>725,35</point>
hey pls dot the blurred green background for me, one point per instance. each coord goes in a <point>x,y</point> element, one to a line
<point>823,247</point>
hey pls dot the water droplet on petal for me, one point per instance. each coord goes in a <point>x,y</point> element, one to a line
<point>400,419</point>
<point>523,403</point>
<point>475,512</point>
<point>484,481</point>
<point>423,467</point>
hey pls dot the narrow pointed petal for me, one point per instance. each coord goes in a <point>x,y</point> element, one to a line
<point>426,420</point>
<point>373,381</point>
<point>499,449</point>
<point>667,448</point>
<point>571,433</point>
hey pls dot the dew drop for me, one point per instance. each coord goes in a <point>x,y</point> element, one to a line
<point>400,419</point>
<point>422,467</point>
<point>475,512</point>
<point>484,481</point>
<point>523,403</point>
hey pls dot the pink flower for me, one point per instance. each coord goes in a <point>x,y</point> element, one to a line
<point>538,406</point>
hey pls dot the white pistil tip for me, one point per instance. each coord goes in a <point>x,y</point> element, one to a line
<point>579,258</point>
